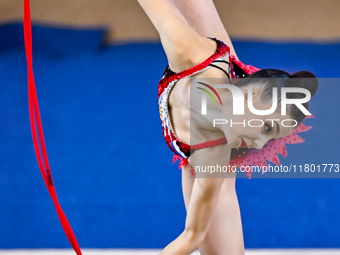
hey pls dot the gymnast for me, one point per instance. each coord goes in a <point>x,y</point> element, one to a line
<point>198,46</point>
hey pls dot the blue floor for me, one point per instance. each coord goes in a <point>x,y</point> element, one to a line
<point>111,167</point>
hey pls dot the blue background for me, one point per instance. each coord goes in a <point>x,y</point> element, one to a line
<point>112,170</point>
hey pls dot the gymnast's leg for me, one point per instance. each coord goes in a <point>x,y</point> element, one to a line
<point>204,18</point>
<point>225,235</point>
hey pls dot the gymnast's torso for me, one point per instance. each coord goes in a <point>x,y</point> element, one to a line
<point>179,119</point>
<point>183,117</point>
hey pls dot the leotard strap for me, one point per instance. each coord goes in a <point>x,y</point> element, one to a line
<point>208,144</point>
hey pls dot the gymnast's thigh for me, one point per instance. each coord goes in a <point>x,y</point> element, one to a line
<point>225,234</point>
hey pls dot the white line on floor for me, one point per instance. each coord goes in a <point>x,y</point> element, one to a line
<point>157,251</point>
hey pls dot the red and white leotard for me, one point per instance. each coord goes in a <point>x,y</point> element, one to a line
<point>240,156</point>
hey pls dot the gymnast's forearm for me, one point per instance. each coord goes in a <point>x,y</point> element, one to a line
<point>204,18</point>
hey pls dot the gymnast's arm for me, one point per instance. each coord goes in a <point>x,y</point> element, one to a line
<point>203,17</point>
<point>183,46</point>
<point>203,201</point>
